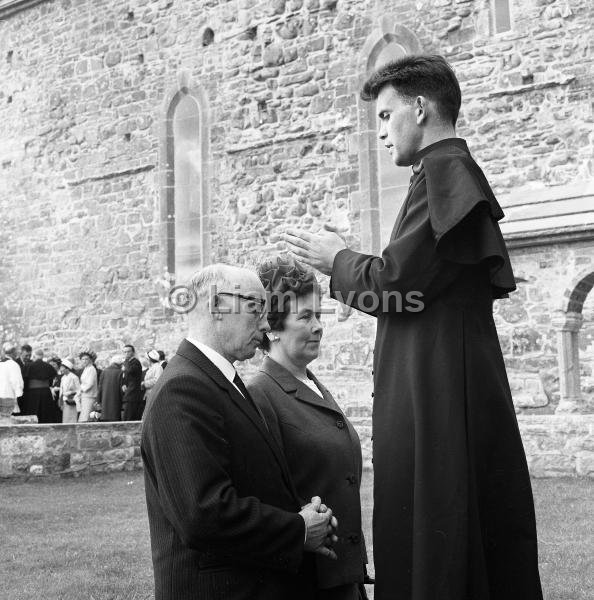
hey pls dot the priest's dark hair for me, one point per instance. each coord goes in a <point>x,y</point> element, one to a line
<point>415,75</point>
<point>284,278</point>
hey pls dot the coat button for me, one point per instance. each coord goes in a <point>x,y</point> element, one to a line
<point>340,424</point>
<point>352,479</point>
<point>372,394</point>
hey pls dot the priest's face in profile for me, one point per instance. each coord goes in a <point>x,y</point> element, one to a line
<point>399,127</point>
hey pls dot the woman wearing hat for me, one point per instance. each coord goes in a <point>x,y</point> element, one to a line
<point>321,446</point>
<point>153,373</point>
<point>69,399</point>
<point>88,384</point>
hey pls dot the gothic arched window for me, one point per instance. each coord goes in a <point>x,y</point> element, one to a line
<point>383,185</point>
<point>187,185</point>
<point>392,180</point>
<point>501,16</point>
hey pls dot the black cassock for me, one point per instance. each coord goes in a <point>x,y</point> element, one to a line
<point>453,508</point>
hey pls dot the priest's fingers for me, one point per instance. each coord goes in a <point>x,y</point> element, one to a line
<point>323,508</point>
<point>296,242</point>
<point>298,233</point>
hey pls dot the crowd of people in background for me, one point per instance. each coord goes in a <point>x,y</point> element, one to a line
<point>66,390</point>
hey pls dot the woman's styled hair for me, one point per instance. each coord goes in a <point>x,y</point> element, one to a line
<point>283,279</point>
<point>88,352</point>
<point>419,75</point>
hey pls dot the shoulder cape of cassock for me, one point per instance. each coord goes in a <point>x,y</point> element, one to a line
<point>464,212</point>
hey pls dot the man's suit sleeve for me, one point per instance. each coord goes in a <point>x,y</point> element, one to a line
<point>185,450</point>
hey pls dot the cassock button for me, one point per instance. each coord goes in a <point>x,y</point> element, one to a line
<point>372,394</point>
<point>340,424</point>
<point>352,479</point>
<point>354,538</point>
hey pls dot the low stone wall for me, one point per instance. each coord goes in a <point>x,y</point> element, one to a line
<point>68,449</point>
<point>556,446</point>
<point>559,445</point>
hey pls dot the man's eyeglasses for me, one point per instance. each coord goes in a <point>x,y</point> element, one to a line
<point>256,306</point>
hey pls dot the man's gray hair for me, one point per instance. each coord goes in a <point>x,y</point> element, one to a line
<point>213,278</point>
<point>38,353</point>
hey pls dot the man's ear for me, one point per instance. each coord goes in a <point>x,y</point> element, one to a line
<point>213,306</point>
<point>421,106</point>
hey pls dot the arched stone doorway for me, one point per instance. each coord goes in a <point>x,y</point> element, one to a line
<point>568,322</point>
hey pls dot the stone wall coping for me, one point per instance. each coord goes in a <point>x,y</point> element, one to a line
<point>30,428</point>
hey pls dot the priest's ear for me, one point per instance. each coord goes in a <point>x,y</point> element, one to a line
<point>421,110</point>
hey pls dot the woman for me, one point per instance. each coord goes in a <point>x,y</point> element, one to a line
<point>152,374</point>
<point>88,384</point>
<point>69,392</point>
<point>321,446</point>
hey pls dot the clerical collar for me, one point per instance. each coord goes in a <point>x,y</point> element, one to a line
<point>458,142</point>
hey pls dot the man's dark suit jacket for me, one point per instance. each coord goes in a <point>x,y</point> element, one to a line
<point>222,509</point>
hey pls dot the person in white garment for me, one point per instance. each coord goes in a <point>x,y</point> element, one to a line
<point>11,382</point>
<point>153,373</point>
<point>88,385</point>
<point>69,399</point>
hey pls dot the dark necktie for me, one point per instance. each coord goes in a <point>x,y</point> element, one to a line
<point>241,387</point>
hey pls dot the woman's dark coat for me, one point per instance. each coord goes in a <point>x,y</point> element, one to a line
<point>109,393</point>
<point>324,456</point>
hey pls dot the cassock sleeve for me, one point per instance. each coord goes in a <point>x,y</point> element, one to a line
<point>409,271</point>
<point>450,223</point>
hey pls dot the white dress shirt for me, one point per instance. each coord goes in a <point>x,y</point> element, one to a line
<point>219,361</point>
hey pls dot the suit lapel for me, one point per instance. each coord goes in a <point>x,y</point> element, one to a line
<point>292,386</point>
<point>189,351</point>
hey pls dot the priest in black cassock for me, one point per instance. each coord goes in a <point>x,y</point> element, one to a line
<point>453,508</point>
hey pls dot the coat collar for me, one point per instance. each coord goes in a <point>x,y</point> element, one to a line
<point>291,385</point>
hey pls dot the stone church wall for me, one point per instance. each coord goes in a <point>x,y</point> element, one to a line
<point>85,163</point>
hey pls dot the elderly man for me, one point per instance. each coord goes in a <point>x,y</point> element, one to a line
<point>225,520</point>
<point>453,511</point>
<point>11,381</point>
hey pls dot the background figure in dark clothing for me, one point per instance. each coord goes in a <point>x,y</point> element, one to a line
<point>109,394</point>
<point>38,398</point>
<point>133,399</point>
<point>162,359</point>
<point>24,361</point>
<point>56,362</point>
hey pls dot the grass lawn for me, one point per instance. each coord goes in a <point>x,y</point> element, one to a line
<point>87,539</point>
